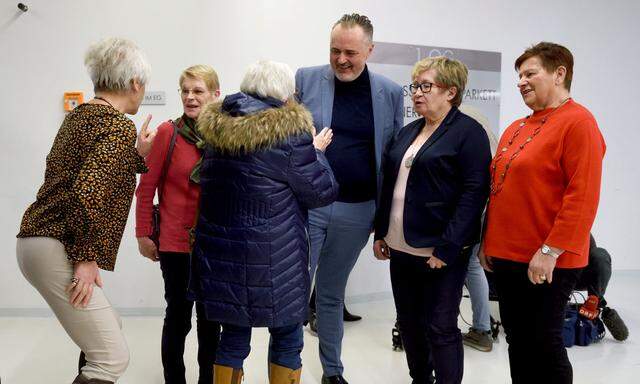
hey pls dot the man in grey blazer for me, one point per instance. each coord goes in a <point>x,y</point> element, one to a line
<point>364,110</point>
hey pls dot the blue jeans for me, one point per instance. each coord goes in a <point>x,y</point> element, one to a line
<point>285,346</point>
<point>337,233</point>
<point>478,293</point>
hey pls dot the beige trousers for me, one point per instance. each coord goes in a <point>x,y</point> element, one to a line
<point>96,329</point>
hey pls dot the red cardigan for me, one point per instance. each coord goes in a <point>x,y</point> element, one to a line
<point>551,190</point>
<point>179,195</point>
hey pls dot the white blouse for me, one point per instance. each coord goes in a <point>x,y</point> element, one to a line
<point>395,234</point>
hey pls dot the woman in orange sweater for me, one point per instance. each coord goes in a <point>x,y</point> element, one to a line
<point>545,185</point>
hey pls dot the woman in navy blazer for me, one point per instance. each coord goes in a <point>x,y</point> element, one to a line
<point>435,184</point>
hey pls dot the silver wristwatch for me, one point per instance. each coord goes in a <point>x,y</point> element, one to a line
<point>546,250</point>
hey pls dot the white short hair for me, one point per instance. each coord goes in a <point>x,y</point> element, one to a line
<point>269,79</point>
<point>114,62</point>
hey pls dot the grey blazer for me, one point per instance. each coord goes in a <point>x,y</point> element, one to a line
<point>315,88</point>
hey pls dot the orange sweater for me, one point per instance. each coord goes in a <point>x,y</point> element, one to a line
<point>551,190</point>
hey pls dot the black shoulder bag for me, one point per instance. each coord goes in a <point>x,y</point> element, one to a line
<point>155,216</point>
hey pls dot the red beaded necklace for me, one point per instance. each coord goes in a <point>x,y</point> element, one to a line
<point>497,186</point>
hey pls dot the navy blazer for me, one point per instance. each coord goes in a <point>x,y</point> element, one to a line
<point>315,87</point>
<point>447,188</point>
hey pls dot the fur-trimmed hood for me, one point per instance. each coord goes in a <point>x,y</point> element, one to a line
<point>257,130</point>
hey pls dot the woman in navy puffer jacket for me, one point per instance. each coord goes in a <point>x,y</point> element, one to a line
<point>262,170</point>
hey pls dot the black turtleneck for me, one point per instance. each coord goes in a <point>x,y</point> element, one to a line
<point>352,150</point>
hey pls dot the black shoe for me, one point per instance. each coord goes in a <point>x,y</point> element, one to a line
<point>495,328</point>
<point>311,314</point>
<point>430,380</point>
<point>82,361</point>
<point>337,379</point>
<point>313,323</point>
<point>396,338</point>
<point>346,316</point>
<point>614,324</point>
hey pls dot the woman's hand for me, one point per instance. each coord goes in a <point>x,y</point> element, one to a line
<point>148,249</point>
<point>541,268</point>
<point>485,260</point>
<point>435,263</point>
<point>145,138</point>
<point>80,290</point>
<point>381,250</point>
<point>322,140</point>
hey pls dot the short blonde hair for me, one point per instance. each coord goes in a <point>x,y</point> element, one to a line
<point>269,79</point>
<point>202,72</point>
<point>114,63</point>
<point>449,73</point>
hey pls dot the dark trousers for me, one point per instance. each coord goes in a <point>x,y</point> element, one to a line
<point>533,316</point>
<point>177,323</point>
<point>427,301</point>
<point>285,345</point>
<point>596,275</point>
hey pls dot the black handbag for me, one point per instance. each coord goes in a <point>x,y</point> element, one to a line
<point>155,214</point>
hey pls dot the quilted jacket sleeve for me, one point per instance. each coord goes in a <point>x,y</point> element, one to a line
<point>309,174</point>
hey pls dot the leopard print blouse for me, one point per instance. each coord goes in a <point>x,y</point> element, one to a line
<point>89,182</point>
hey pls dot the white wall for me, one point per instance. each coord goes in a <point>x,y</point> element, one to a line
<point>41,56</point>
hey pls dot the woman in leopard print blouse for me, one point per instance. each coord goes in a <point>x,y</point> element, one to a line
<point>74,227</point>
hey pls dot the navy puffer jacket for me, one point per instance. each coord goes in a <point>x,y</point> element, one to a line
<point>260,174</point>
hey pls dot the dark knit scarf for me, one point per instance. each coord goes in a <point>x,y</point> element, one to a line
<point>187,129</point>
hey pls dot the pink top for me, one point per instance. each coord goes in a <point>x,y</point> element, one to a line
<point>180,196</point>
<point>395,235</point>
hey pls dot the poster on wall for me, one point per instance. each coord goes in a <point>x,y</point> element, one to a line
<point>482,96</point>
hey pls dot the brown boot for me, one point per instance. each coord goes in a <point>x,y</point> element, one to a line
<point>283,375</point>
<point>226,375</point>
<point>82,379</point>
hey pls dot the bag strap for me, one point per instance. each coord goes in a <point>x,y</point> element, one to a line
<point>167,159</point>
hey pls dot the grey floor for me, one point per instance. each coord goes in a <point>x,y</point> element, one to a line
<point>36,349</point>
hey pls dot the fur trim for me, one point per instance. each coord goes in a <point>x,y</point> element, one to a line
<point>250,133</point>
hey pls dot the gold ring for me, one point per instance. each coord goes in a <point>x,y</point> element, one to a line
<point>543,277</point>
<point>74,281</point>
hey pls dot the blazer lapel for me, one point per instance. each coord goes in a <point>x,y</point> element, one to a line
<point>377,101</point>
<point>327,89</point>
<point>409,134</point>
<point>437,134</point>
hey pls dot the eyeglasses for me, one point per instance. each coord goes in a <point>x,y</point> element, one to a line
<point>196,92</point>
<point>424,87</point>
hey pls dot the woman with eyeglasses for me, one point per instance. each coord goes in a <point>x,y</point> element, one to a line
<point>435,186</point>
<point>173,165</point>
